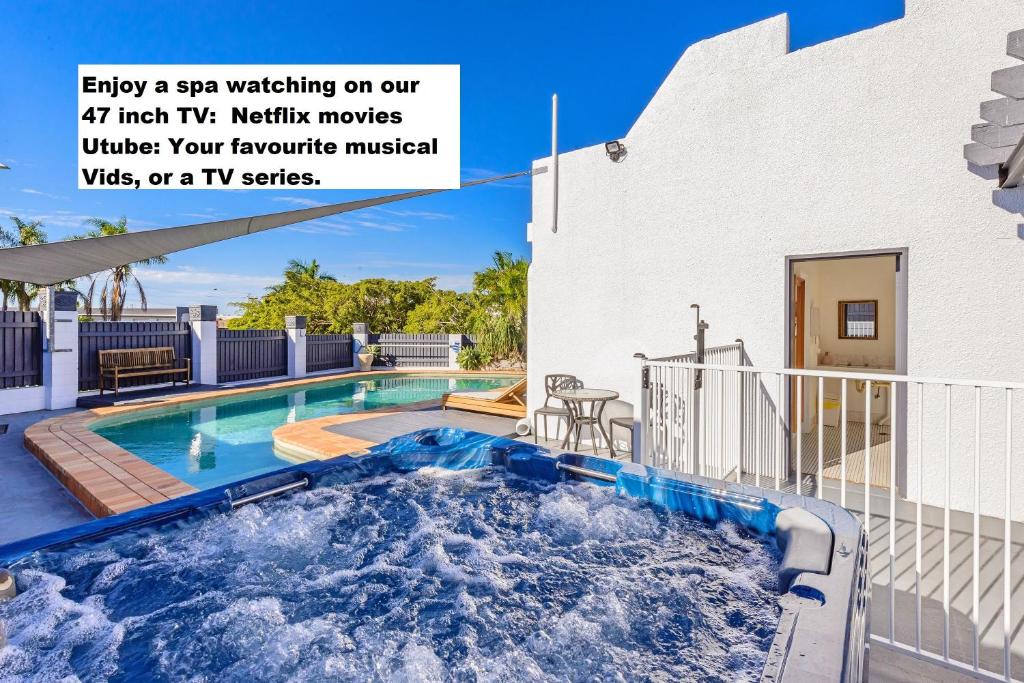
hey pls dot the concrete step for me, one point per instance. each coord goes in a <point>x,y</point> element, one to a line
<point>994,135</point>
<point>1015,44</point>
<point>983,155</point>
<point>1006,111</point>
<point>1009,82</point>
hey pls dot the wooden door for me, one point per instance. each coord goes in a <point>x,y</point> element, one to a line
<point>799,329</point>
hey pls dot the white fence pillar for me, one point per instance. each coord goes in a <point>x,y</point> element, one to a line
<point>360,338</point>
<point>203,320</point>
<point>295,326</point>
<point>60,350</point>
<point>454,346</point>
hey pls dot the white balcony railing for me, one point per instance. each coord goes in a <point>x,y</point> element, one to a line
<point>929,464</point>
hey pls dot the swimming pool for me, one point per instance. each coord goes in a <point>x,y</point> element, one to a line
<point>448,555</point>
<point>211,443</point>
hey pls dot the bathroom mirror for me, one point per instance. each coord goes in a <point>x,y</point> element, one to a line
<point>858,319</point>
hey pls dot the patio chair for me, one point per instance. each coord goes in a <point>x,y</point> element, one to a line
<point>507,402</point>
<point>618,414</point>
<point>554,383</point>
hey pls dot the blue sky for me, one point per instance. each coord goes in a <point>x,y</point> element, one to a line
<point>605,60</point>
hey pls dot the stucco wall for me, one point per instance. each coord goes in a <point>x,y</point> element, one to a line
<point>748,154</point>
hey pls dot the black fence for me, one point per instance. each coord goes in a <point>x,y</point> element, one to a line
<point>251,354</point>
<point>99,336</point>
<point>411,350</point>
<point>328,351</point>
<point>21,349</point>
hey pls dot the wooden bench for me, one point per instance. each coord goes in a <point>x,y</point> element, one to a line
<point>118,364</point>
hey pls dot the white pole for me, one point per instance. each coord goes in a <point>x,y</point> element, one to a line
<point>554,163</point>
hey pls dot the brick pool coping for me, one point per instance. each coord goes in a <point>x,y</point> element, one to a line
<point>108,479</point>
<point>307,440</point>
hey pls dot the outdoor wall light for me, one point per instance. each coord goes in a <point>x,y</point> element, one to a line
<point>4,167</point>
<point>615,150</point>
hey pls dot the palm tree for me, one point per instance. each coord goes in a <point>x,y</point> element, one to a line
<point>114,292</point>
<point>299,272</point>
<point>500,319</point>
<point>24,234</point>
<point>299,269</point>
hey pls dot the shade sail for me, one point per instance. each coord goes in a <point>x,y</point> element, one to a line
<point>47,264</point>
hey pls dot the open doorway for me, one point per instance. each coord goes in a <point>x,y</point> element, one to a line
<point>847,314</point>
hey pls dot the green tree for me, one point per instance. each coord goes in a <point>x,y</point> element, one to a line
<point>115,284</point>
<point>499,320</point>
<point>495,310</point>
<point>313,295</point>
<point>299,272</point>
<point>24,234</point>
<point>383,304</point>
<point>331,306</point>
<point>444,311</point>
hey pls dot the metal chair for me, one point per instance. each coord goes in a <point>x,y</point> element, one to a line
<point>623,422</point>
<point>555,383</point>
<point>618,414</point>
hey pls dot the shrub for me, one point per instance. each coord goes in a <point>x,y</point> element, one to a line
<point>472,358</point>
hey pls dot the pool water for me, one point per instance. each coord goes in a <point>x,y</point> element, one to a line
<point>213,443</point>
<point>429,576</point>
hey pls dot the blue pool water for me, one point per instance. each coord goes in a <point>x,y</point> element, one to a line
<point>215,443</point>
<point>425,576</point>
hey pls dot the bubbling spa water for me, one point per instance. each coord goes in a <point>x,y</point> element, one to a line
<point>431,576</point>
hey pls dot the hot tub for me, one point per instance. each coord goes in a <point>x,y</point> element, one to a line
<point>447,554</point>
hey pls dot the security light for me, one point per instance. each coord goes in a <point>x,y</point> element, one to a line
<point>4,167</point>
<point>615,150</point>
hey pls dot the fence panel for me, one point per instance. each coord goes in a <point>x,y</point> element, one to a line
<point>94,337</point>
<point>251,354</point>
<point>694,423</point>
<point>21,349</point>
<point>411,350</point>
<point>328,351</point>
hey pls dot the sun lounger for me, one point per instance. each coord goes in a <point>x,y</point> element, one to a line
<point>509,401</point>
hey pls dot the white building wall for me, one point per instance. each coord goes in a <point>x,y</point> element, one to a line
<point>748,154</point>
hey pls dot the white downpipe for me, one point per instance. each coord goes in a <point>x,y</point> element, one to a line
<point>554,163</point>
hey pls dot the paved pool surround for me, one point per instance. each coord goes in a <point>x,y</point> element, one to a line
<point>110,480</point>
<point>824,584</point>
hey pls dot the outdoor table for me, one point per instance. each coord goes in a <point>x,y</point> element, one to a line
<point>585,408</point>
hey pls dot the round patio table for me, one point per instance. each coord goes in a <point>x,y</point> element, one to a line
<point>585,408</point>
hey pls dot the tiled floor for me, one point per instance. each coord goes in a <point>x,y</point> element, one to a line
<point>832,462</point>
<point>313,439</point>
<point>32,501</point>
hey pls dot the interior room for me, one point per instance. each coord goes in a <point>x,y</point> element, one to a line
<point>844,319</point>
